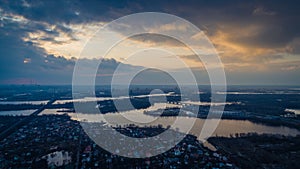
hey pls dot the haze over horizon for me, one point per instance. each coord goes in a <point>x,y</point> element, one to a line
<point>257,41</point>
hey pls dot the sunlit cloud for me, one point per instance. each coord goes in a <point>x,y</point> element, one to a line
<point>229,40</point>
<point>8,17</point>
<point>235,53</point>
<point>67,44</point>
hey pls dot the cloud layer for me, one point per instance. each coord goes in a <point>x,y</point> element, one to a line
<point>258,41</point>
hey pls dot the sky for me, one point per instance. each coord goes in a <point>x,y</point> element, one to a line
<point>257,41</point>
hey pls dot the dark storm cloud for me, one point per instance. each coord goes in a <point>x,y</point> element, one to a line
<point>23,62</point>
<point>278,20</point>
<point>22,59</point>
<point>67,11</point>
<point>40,68</point>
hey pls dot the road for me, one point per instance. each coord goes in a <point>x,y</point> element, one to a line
<point>24,121</point>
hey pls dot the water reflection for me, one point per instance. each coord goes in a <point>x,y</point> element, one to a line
<point>54,111</point>
<point>16,113</point>
<point>225,128</point>
<point>208,103</point>
<point>91,99</point>
<point>24,102</point>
